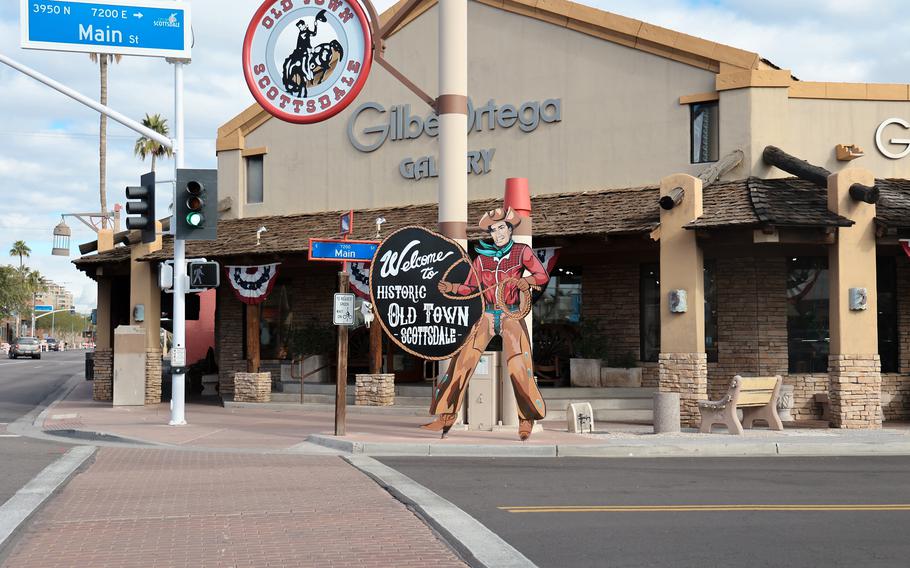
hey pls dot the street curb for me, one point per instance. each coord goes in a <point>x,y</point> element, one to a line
<point>26,501</point>
<point>616,450</point>
<point>476,544</point>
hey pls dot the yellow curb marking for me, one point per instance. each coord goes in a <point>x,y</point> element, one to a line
<point>701,508</point>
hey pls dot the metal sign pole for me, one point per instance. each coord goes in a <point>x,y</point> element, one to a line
<point>178,353</point>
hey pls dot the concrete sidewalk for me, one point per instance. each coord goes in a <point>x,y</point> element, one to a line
<point>285,428</point>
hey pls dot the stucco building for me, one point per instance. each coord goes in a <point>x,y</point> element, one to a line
<point>604,115</point>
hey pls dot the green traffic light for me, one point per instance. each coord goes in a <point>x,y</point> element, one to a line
<point>194,219</point>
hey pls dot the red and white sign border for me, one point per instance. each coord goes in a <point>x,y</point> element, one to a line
<point>304,118</point>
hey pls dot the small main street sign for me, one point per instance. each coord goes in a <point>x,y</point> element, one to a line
<point>342,251</point>
<point>152,28</point>
<point>343,312</point>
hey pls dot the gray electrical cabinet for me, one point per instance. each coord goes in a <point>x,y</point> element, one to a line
<point>483,406</point>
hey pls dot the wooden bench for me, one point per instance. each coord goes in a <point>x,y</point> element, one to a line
<point>756,396</point>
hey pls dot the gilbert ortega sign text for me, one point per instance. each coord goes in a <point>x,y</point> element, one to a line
<point>404,277</point>
<point>306,60</point>
<point>154,28</point>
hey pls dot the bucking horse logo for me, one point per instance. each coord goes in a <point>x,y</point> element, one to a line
<point>309,65</point>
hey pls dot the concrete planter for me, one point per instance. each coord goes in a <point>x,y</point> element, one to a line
<point>584,372</point>
<point>620,377</point>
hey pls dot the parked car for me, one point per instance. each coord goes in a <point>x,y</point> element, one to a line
<point>25,347</point>
<point>4,347</point>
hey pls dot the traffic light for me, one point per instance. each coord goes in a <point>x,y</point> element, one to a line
<point>196,211</point>
<point>143,207</point>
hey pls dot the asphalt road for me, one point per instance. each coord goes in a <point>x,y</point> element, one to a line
<point>681,512</point>
<point>24,383</point>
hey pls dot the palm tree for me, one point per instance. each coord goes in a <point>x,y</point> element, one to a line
<point>146,146</point>
<point>20,249</point>
<point>103,59</point>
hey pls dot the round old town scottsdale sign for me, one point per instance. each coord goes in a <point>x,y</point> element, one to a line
<point>306,60</point>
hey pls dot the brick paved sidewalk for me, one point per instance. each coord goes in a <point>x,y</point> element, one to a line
<point>166,508</point>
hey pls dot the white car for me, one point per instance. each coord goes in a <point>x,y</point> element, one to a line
<point>4,347</point>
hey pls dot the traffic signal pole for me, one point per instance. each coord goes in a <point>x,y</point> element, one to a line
<point>178,352</point>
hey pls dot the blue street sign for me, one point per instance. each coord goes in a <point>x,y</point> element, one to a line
<point>350,251</point>
<point>128,27</point>
<point>44,308</point>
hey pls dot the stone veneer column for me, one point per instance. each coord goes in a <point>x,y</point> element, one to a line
<point>687,374</point>
<point>683,365</point>
<point>854,367</point>
<point>103,384</point>
<point>152,376</point>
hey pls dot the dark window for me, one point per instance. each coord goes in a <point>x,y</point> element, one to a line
<point>649,311</point>
<point>561,300</point>
<point>704,132</point>
<point>275,323</point>
<point>255,191</point>
<point>711,310</point>
<point>887,313</point>
<point>807,314</point>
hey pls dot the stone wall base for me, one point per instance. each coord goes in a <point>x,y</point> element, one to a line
<point>687,374</point>
<point>855,391</point>
<point>152,376</point>
<point>252,387</point>
<point>103,384</point>
<point>374,390</point>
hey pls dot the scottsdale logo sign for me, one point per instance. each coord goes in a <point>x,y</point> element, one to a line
<point>306,60</point>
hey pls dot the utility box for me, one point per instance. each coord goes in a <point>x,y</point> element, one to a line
<point>129,365</point>
<point>483,406</point>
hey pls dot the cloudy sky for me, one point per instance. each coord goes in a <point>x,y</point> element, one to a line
<point>49,143</point>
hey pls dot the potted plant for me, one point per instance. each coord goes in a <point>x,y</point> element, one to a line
<point>624,372</point>
<point>589,353</point>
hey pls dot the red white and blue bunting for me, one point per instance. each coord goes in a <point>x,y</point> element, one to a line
<point>547,257</point>
<point>252,284</point>
<point>359,273</point>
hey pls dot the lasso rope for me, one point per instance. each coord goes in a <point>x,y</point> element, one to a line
<point>524,306</point>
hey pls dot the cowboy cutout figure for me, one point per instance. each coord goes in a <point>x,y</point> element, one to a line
<point>506,294</point>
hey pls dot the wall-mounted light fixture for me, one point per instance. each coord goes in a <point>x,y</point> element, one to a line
<point>678,302</point>
<point>859,299</point>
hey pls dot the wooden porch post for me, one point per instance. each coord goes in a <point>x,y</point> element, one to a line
<point>252,337</point>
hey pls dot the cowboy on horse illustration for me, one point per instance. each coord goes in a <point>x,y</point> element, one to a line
<point>297,70</point>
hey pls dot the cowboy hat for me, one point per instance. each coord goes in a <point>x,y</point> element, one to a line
<point>499,214</point>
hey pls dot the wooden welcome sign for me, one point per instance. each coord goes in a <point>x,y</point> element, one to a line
<point>403,287</point>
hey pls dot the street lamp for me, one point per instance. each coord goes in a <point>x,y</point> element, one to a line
<point>62,234</point>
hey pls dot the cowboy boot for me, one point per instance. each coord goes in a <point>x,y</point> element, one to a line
<point>524,429</point>
<point>443,422</point>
